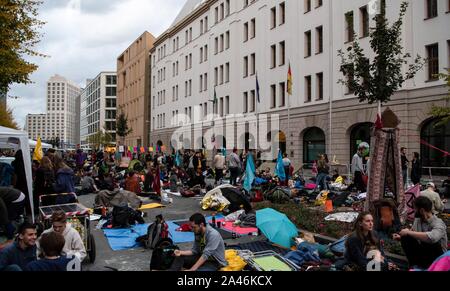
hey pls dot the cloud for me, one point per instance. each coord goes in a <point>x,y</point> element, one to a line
<point>84,38</point>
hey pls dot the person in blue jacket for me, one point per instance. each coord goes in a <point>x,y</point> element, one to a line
<point>52,244</point>
<point>64,177</point>
<point>20,253</point>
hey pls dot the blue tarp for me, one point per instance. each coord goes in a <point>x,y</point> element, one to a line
<point>125,239</point>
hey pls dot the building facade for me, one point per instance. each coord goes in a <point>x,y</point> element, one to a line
<point>98,107</point>
<point>133,89</point>
<point>60,121</point>
<point>216,50</point>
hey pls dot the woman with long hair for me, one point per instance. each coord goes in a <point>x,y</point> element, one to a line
<point>64,177</point>
<point>363,245</point>
<point>45,177</point>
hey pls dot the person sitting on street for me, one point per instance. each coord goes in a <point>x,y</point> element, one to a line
<point>208,252</point>
<point>427,239</point>
<point>12,206</point>
<point>88,184</point>
<point>73,243</point>
<point>198,180</point>
<point>132,183</point>
<point>362,244</point>
<point>20,253</point>
<point>438,205</point>
<point>52,245</point>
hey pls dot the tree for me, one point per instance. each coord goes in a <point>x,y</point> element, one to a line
<point>443,112</point>
<point>7,118</point>
<point>19,34</point>
<point>122,129</point>
<point>376,81</point>
<point>99,139</point>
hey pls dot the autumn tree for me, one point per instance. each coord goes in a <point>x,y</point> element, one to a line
<point>19,35</point>
<point>7,118</point>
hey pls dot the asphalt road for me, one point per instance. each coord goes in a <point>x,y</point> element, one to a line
<point>139,259</point>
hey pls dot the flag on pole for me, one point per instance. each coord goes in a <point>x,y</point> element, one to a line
<point>38,153</point>
<point>257,89</point>
<point>249,173</point>
<point>289,81</point>
<point>279,169</point>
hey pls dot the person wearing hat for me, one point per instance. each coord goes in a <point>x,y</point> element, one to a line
<point>438,205</point>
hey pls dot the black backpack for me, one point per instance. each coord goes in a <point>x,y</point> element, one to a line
<point>163,255</point>
<point>121,216</point>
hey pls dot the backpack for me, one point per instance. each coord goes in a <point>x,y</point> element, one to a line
<point>120,217</point>
<point>156,232</point>
<point>277,196</point>
<point>162,256</point>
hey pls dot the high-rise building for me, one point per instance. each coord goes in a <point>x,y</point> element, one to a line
<point>98,107</point>
<point>133,89</point>
<point>60,121</point>
<point>215,50</point>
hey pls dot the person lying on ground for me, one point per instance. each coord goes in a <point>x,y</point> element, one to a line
<point>208,252</point>
<point>52,244</point>
<point>19,254</point>
<point>363,246</point>
<point>73,243</point>
<point>427,239</point>
<point>12,205</point>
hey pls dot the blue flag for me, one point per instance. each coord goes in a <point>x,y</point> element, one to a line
<point>279,170</point>
<point>178,161</point>
<point>250,173</point>
<point>257,89</point>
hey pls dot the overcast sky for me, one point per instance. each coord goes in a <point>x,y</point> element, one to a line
<point>83,38</point>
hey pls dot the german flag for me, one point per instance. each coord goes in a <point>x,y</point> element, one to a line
<point>289,81</point>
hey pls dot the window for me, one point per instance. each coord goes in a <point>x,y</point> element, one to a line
<point>227,8</point>
<point>282,53</point>
<point>273,99</point>
<point>227,72</point>
<point>253,28</point>
<point>216,50</point>
<point>318,3</point>
<point>222,11</point>
<point>319,40</point>
<point>205,79</point>
<point>273,56</point>
<point>206,53</point>
<point>227,105</point>
<point>216,76</point>
<point>313,144</point>
<point>221,75</point>
<point>227,40</point>
<point>364,16</point>
<point>222,41</point>
<point>253,100</point>
<point>111,91</point>
<point>433,61</point>
<point>253,64</point>
<point>245,67</point>
<point>273,18</point>
<point>282,13</point>
<point>350,77</point>
<point>221,107</point>
<point>245,102</point>
<point>201,84</point>
<point>350,33</point>
<point>432,9</point>
<point>319,90</point>
<point>307,89</point>
<point>217,14</point>
<point>245,32</point>
<point>201,55</point>
<point>307,6</point>
<point>308,44</point>
<point>201,28</point>
<point>282,94</point>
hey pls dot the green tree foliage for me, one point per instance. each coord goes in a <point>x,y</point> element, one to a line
<point>99,139</point>
<point>378,79</point>
<point>19,34</point>
<point>122,128</point>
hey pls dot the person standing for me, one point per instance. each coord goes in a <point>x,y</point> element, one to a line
<point>438,205</point>
<point>219,166</point>
<point>287,168</point>
<point>235,165</point>
<point>358,170</point>
<point>416,169</point>
<point>323,170</point>
<point>405,163</point>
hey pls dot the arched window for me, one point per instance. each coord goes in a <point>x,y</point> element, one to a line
<point>359,134</point>
<point>313,144</point>
<point>435,136</point>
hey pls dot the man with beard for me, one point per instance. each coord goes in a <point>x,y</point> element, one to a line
<point>208,252</point>
<point>427,239</point>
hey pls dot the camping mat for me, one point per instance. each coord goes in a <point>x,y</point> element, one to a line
<point>260,246</point>
<point>151,206</point>
<point>237,229</point>
<point>180,237</point>
<point>224,233</point>
<point>125,239</point>
<point>272,263</point>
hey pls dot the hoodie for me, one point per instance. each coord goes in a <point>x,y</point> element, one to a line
<point>64,181</point>
<point>74,245</point>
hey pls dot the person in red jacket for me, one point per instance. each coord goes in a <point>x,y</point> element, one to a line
<point>132,183</point>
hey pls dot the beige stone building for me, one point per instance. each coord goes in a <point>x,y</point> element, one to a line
<point>133,89</point>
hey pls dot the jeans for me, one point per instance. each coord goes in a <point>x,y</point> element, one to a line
<point>219,174</point>
<point>188,262</point>
<point>421,254</point>
<point>234,175</point>
<point>405,176</point>
<point>321,181</point>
